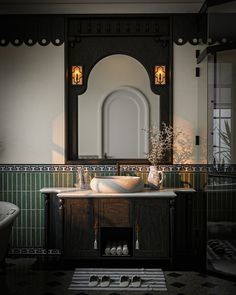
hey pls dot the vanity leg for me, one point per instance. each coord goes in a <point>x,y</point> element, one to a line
<point>47,218</point>
<point>61,215</point>
<point>172,231</point>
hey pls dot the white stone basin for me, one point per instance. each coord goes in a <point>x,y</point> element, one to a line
<point>116,184</point>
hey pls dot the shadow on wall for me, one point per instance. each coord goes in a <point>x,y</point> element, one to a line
<point>1,147</point>
<point>183,148</point>
<point>58,140</point>
<point>185,151</point>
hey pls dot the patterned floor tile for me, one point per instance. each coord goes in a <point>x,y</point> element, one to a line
<point>25,276</point>
<point>209,285</point>
<point>203,275</point>
<point>53,284</point>
<point>59,274</point>
<point>23,283</point>
<point>174,274</point>
<point>178,285</point>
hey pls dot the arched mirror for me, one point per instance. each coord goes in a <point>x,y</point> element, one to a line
<point>117,105</point>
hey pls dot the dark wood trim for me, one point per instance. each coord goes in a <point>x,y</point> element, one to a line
<point>161,41</point>
<point>32,29</point>
<point>202,55</point>
<point>204,7</point>
<point>66,104</point>
<point>112,162</point>
<point>217,2</point>
<point>215,49</point>
<point>210,3</point>
<point>171,83</point>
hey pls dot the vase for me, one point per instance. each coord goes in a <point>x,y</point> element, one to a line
<point>155,178</point>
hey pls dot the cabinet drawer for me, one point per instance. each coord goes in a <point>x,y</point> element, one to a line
<point>115,212</point>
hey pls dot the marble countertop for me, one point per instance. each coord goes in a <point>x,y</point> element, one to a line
<point>91,194</point>
<point>57,190</point>
<point>76,193</point>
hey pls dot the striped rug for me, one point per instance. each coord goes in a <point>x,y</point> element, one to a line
<point>152,280</point>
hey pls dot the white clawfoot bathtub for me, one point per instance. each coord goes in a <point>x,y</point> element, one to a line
<point>8,214</point>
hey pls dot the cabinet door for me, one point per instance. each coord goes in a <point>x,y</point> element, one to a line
<point>183,227</point>
<point>54,223</point>
<point>190,231</point>
<point>80,222</point>
<point>152,222</point>
<point>116,212</point>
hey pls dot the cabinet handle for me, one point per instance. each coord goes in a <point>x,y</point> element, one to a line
<point>95,243</point>
<point>137,236</point>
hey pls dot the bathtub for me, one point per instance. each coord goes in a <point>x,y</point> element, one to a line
<point>8,214</point>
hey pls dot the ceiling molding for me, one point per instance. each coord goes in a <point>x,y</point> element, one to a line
<point>14,2</point>
<point>91,8</point>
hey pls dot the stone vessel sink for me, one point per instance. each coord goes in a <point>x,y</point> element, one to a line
<point>116,184</point>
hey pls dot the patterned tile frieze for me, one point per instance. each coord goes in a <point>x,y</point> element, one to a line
<point>98,168</point>
<point>111,168</point>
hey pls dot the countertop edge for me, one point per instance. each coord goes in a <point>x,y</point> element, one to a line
<point>147,193</point>
<point>51,190</point>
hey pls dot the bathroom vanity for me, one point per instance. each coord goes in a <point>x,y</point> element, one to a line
<point>82,223</point>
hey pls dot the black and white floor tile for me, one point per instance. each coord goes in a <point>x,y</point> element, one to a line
<point>23,276</point>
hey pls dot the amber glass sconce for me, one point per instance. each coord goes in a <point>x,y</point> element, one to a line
<point>77,75</point>
<point>160,75</point>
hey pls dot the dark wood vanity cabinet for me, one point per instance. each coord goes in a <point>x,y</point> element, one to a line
<point>80,226</point>
<point>152,227</point>
<point>165,227</point>
<point>144,219</point>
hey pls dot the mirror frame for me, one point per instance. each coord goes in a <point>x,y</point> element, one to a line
<point>72,42</point>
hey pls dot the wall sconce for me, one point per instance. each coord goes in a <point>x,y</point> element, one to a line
<point>160,75</point>
<point>77,75</point>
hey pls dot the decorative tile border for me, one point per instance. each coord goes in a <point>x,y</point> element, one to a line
<point>52,168</point>
<point>112,168</point>
<point>27,251</point>
<point>38,168</point>
<point>33,251</point>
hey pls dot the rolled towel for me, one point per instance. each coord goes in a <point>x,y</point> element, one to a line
<point>113,250</point>
<point>108,250</point>
<point>119,250</point>
<point>125,249</point>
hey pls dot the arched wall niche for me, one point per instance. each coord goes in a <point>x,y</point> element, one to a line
<point>125,115</point>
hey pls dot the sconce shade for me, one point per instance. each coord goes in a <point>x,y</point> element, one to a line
<point>160,75</point>
<point>77,75</point>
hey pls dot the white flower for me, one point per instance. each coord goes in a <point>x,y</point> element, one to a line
<point>160,141</point>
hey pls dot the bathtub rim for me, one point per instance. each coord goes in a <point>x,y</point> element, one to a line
<point>9,219</point>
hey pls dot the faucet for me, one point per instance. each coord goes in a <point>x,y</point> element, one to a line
<point>117,168</point>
